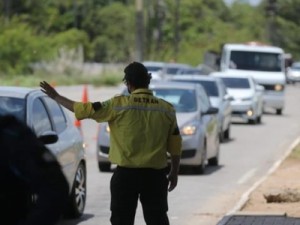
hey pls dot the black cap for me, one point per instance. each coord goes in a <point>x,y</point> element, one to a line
<point>137,74</point>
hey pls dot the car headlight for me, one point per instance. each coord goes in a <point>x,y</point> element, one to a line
<point>250,112</point>
<point>107,128</point>
<point>189,129</point>
<point>278,87</point>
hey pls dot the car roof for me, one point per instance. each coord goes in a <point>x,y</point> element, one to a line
<point>153,63</point>
<point>194,77</point>
<point>253,47</point>
<point>228,74</point>
<point>173,84</point>
<point>15,91</point>
<point>178,65</point>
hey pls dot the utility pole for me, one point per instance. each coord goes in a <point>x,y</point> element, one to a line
<point>176,30</point>
<point>139,21</point>
<point>271,10</point>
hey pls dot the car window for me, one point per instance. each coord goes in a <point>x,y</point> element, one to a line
<point>209,86</point>
<point>40,118</point>
<point>183,100</point>
<point>13,106</point>
<point>204,100</point>
<point>233,82</point>
<point>57,115</point>
<point>222,88</point>
<point>259,61</point>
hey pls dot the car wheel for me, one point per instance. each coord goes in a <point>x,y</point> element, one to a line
<point>227,133</point>
<point>199,169</point>
<point>214,161</point>
<point>77,198</point>
<point>278,111</point>
<point>251,121</point>
<point>258,119</point>
<point>221,135</point>
<point>104,166</point>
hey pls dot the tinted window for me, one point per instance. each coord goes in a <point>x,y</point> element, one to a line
<point>296,67</point>
<point>236,82</point>
<point>40,118</point>
<point>209,86</point>
<point>57,115</point>
<point>183,100</point>
<point>153,68</point>
<point>204,99</point>
<point>259,61</point>
<point>14,106</point>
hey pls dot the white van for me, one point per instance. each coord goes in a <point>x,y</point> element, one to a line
<point>264,63</point>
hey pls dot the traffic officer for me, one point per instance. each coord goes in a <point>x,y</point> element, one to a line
<point>143,130</point>
<point>33,190</point>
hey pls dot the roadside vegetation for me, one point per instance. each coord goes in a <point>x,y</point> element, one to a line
<point>37,38</point>
<point>295,154</point>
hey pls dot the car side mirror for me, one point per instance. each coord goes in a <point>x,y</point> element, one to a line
<point>211,110</point>
<point>259,88</point>
<point>228,97</point>
<point>48,137</point>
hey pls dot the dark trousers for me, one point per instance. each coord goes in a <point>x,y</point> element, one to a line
<point>150,186</point>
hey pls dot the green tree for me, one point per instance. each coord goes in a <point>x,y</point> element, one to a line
<point>111,30</point>
<point>20,47</point>
<point>287,24</point>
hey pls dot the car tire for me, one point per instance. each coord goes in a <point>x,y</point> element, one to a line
<point>252,121</point>
<point>226,134</point>
<point>221,136</point>
<point>104,166</point>
<point>279,111</point>
<point>77,198</point>
<point>214,161</point>
<point>258,119</point>
<point>200,169</point>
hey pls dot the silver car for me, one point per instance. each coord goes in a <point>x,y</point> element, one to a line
<point>293,73</point>
<point>218,96</point>
<point>247,103</point>
<point>197,121</point>
<point>45,117</point>
<point>156,68</point>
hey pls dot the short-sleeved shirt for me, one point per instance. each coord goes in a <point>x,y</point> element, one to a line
<point>143,128</point>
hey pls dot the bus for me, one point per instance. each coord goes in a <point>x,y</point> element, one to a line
<point>266,64</point>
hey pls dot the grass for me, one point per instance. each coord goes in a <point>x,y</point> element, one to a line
<point>65,80</point>
<point>296,152</point>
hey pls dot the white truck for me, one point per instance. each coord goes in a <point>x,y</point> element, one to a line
<point>266,64</point>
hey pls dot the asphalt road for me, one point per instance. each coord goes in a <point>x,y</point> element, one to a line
<point>199,199</point>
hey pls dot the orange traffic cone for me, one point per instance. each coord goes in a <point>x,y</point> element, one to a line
<point>85,94</point>
<point>77,123</point>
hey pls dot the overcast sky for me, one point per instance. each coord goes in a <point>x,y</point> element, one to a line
<point>252,2</point>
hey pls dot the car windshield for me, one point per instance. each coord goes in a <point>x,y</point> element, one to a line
<point>231,82</point>
<point>183,100</point>
<point>296,67</point>
<point>153,68</point>
<point>190,71</point>
<point>209,86</point>
<point>258,61</point>
<point>13,106</point>
<point>172,70</point>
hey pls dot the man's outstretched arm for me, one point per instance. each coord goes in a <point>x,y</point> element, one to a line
<point>52,93</point>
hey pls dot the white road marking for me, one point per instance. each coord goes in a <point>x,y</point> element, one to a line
<point>247,176</point>
<point>246,195</point>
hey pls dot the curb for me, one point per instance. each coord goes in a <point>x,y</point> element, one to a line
<point>245,197</point>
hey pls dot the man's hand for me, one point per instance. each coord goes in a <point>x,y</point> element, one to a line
<point>173,179</point>
<point>48,90</point>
